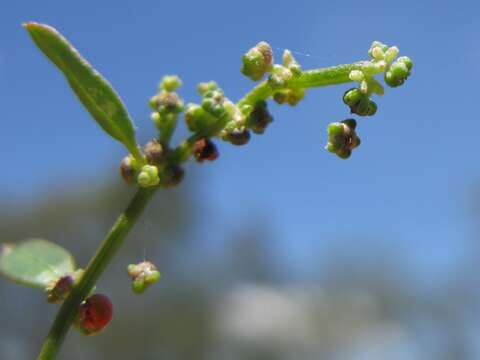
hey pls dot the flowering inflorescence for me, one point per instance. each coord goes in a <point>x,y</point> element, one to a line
<point>158,164</point>
<point>286,83</point>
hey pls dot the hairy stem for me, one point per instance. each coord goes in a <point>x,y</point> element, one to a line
<point>105,253</point>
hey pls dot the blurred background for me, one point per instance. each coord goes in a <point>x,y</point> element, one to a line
<point>277,250</point>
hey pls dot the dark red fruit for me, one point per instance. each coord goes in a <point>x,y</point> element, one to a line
<point>94,314</point>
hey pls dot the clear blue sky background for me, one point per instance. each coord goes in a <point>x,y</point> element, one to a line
<point>409,184</point>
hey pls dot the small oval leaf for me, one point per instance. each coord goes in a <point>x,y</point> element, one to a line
<point>94,91</point>
<point>34,262</point>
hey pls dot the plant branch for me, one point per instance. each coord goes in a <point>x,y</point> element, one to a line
<point>125,222</point>
<point>109,247</point>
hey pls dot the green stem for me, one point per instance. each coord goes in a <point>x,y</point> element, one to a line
<point>67,313</point>
<point>112,242</point>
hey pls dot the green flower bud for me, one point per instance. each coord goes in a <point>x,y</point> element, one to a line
<point>342,138</point>
<point>205,87</point>
<point>143,275</point>
<point>148,176</point>
<point>377,49</point>
<point>279,76</point>
<point>290,96</point>
<point>294,96</point>
<point>213,102</point>
<point>356,75</point>
<point>259,118</point>
<point>170,83</point>
<point>391,54</point>
<point>291,63</point>
<point>257,61</point>
<point>237,136</point>
<point>193,117</point>
<point>154,152</point>
<point>204,149</point>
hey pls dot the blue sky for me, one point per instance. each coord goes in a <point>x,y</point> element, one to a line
<point>409,185</point>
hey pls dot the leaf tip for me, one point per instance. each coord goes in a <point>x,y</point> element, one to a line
<point>29,25</point>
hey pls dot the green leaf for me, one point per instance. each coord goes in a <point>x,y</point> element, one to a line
<point>34,262</point>
<point>95,92</point>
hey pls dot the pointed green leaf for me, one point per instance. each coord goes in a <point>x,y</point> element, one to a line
<point>95,92</point>
<point>34,262</point>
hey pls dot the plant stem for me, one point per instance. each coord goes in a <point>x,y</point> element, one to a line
<point>68,311</point>
<point>112,242</point>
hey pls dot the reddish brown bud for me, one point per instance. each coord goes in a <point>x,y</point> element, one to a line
<point>172,176</point>
<point>127,170</point>
<point>153,151</point>
<point>59,290</point>
<point>204,149</point>
<point>238,136</point>
<point>259,118</point>
<point>94,314</point>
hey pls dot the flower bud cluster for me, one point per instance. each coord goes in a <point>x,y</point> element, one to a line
<point>166,104</point>
<point>143,275</point>
<point>397,71</point>
<point>157,171</point>
<point>257,61</point>
<point>359,102</point>
<point>342,138</point>
<point>279,78</point>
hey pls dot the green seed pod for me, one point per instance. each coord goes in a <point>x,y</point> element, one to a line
<point>407,61</point>
<point>257,61</point>
<point>359,103</point>
<point>372,108</point>
<point>398,72</point>
<point>342,138</point>
<point>352,96</point>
